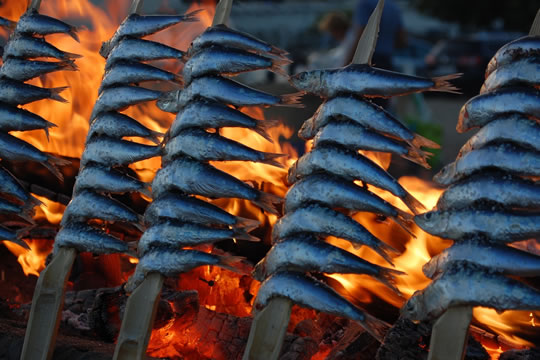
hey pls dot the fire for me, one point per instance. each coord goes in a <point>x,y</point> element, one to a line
<point>50,211</point>
<point>32,261</point>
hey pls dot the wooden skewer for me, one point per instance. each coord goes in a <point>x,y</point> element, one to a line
<point>135,7</point>
<point>450,333</point>
<point>34,5</point>
<point>223,12</point>
<point>368,39</point>
<point>535,28</point>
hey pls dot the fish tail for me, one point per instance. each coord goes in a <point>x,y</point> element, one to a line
<point>178,79</point>
<point>306,130</point>
<point>10,24</point>
<point>242,234</point>
<point>269,158</point>
<point>277,66</point>
<point>70,56</point>
<point>376,327</point>
<point>68,66</point>
<point>262,126</point>
<point>268,202</point>
<point>279,52</point>
<point>419,141</point>
<point>404,224</point>
<point>388,278</point>
<point>34,201</point>
<point>146,190</point>
<point>27,214</point>
<point>19,242</point>
<point>55,93</point>
<point>190,17</point>
<point>229,262</point>
<point>247,224</point>
<point>412,203</point>
<point>292,100</point>
<point>52,164</point>
<point>155,135</point>
<point>383,249</point>
<point>442,83</point>
<point>418,156</point>
<point>73,33</point>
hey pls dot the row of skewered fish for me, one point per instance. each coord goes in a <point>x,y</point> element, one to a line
<point>323,180</point>
<point>493,198</point>
<point>25,44</point>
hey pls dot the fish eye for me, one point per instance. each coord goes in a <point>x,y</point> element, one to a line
<point>428,215</point>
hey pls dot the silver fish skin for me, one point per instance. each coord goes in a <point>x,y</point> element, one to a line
<point>27,47</point>
<point>11,186</point>
<point>482,109</point>
<point>470,286</point>
<point>132,49</point>
<point>107,180</point>
<point>125,73</point>
<point>22,70</point>
<point>175,262</point>
<point>505,157</point>
<point>525,72</point>
<point>6,23</point>
<point>219,60</point>
<point>497,226</point>
<point>365,113</point>
<point>172,206</point>
<point>175,235</point>
<point>491,188</point>
<point>323,221</point>
<point>226,91</point>
<point>335,192</point>
<point>192,177</point>
<point>213,114</point>
<point>118,125</point>
<point>351,166</point>
<point>357,137</point>
<point>225,36</point>
<point>313,294</point>
<point>306,253</point>
<point>135,25</point>
<point>13,236</point>
<point>516,128</point>
<point>13,118</point>
<point>120,97</point>
<point>204,146</point>
<point>85,238</point>
<point>365,80</point>
<point>18,93</point>
<point>503,259</point>
<point>32,22</point>
<point>17,150</point>
<point>520,48</point>
<point>109,151</point>
<point>24,212</point>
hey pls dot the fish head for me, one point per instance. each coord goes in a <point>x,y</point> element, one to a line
<point>413,308</point>
<point>259,271</point>
<point>168,101</point>
<point>432,221</point>
<point>306,80</point>
<point>462,119</point>
<point>445,175</point>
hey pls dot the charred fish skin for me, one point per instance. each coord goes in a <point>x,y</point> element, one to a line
<point>468,285</point>
<point>34,23</point>
<point>126,73</point>
<point>524,47</point>
<point>485,188</point>
<point>497,226</point>
<point>204,146</point>
<point>86,238</point>
<point>17,93</point>
<point>315,295</point>
<point>132,49</point>
<point>109,151</point>
<point>484,108</point>
<point>118,125</point>
<point>502,259</point>
<point>27,47</point>
<point>102,179</point>
<point>22,70</point>
<point>505,157</point>
<point>365,80</point>
<point>120,97</point>
<point>523,72</point>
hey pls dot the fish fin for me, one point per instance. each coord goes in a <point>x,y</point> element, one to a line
<point>70,56</point>
<point>228,262</point>
<point>268,202</point>
<point>269,158</point>
<point>278,52</point>
<point>418,156</point>
<point>242,234</point>
<point>73,33</point>
<point>442,83</point>
<point>247,224</point>
<point>306,131</point>
<point>68,65</point>
<point>388,278</point>
<point>375,327</point>
<point>277,66</point>
<point>383,249</point>
<point>52,164</point>
<point>419,141</point>
<point>178,79</point>
<point>404,224</point>
<point>147,190</point>
<point>262,126</point>
<point>292,100</point>
<point>47,126</point>
<point>190,17</point>
<point>55,93</point>
<point>412,203</point>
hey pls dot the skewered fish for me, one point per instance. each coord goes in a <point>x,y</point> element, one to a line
<point>34,23</point>
<point>13,236</point>
<point>13,118</point>
<point>17,93</point>
<point>520,48</point>
<point>524,71</point>
<point>109,151</point>
<point>120,97</point>
<point>118,125</point>
<point>86,238</point>
<point>102,179</point>
<point>126,73</point>
<point>27,47</point>
<point>22,70</point>
<point>132,49</point>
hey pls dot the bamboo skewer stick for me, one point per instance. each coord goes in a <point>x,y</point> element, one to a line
<point>450,333</point>
<point>136,7</point>
<point>368,39</point>
<point>223,12</point>
<point>535,28</point>
<point>34,5</point>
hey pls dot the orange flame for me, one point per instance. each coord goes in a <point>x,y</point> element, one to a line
<point>32,261</point>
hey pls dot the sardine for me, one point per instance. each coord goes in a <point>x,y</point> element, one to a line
<point>365,80</point>
<point>514,128</point>
<point>307,292</point>
<point>504,259</point>
<point>524,71</point>
<point>468,285</point>
<point>104,179</point>
<point>488,188</point>
<point>6,23</point>
<point>523,47</point>
<point>118,98</point>
<point>496,226</point>
<point>482,109</point>
<point>172,206</point>
<point>204,146</point>
<point>17,150</point>
<point>351,166</point>
<point>118,125</point>
<point>85,238</point>
<point>306,253</point>
<point>213,114</point>
<point>109,151</point>
<point>26,47</point>
<point>22,70</point>
<point>226,91</point>
<point>192,177</point>
<point>505,157</point>
<point>175,262</point>
<point>125,73</point>
<point>357,137</point>
<point>13,118</point>
<point>24,212</point>
<point>323,221</point>
<point>225,36</point>
<point>175,235</point>
<point>132,49</point>
<point>32,22</point>
<point>335,192</point>
<point>137,26</point>
<point>219,60</point>
<point>11,186</point>
<point>13,236</point>
<point>17,93</point>
<point>365,113</point>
